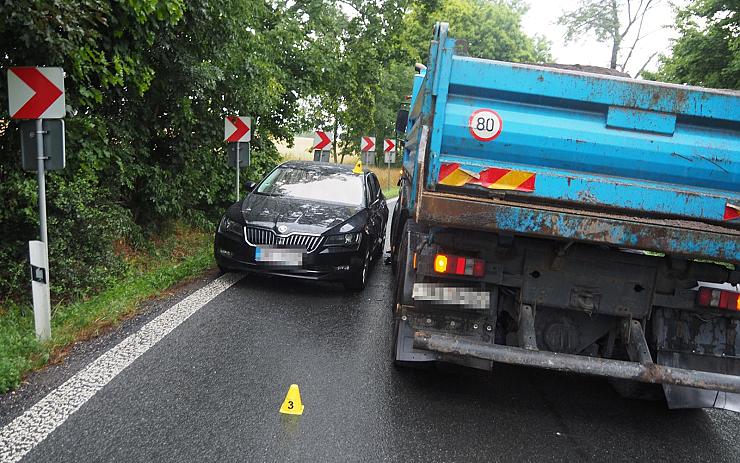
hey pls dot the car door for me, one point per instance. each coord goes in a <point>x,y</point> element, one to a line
<point>383,207</point>
<point>378,210</point>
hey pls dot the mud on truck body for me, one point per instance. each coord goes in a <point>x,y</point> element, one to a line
<point>570,221</point>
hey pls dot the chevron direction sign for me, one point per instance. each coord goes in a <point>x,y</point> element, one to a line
<point>237,129</point>
<point>367,144</point>
<point>36,93</point>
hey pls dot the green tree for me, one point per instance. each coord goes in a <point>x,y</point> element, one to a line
<point>385,40</point>
<point>492,30</point>
<point>148,84</point>
<point>619,22</point>
<point>707,52</point>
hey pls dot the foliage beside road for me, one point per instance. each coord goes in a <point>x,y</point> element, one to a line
<point>184,253</point>
<point>707,52</point>
<point>148,85</point>
<point>390,189</point>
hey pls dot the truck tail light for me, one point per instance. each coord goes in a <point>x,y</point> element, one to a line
<point>718,298</point>
<point>457,265</point>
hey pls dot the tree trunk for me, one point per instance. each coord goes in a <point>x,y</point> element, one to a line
<point>615,53</point>
<point>336,139</point>
<point>617,38</point>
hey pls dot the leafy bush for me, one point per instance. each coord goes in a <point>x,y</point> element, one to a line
<point>147,87</point>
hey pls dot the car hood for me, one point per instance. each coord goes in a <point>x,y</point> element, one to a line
<point>295,215</point>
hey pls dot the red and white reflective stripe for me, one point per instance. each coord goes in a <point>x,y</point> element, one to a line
<point>494,178</point>
<point>732,212</point>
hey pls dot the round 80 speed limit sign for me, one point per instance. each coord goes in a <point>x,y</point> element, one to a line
<point>485,124</point>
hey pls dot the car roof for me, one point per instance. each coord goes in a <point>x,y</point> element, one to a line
<point>321,166</point>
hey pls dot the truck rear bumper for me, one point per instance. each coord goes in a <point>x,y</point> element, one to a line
<point>643,372</point>
<point>691,239</point>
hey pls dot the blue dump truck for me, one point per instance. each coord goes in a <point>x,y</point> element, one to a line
<point>568,220</point>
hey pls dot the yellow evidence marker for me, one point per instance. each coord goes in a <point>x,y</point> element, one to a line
<point>292,404</point>
<point>358,168</point>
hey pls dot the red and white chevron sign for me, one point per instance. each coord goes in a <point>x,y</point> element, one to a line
<point>367,144</point>
<point>388,145</point>
<point>321,141</point>
<point>36,93</point>
<point>237,129</point>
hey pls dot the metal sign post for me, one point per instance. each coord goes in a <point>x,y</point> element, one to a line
<point>39,250</point>
<point>38,94</point>
<point>238,129</point>
<point>237,170</point>
<point>41,175</point>
<point>388,186</point>
<point>389,147</point>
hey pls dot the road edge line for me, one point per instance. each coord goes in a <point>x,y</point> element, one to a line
<point>25,432</point>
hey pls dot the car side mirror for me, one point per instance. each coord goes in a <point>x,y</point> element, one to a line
<point>249,186</point>
<point>402,120</point>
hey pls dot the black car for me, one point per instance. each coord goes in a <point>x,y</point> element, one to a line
<point>308,220</point>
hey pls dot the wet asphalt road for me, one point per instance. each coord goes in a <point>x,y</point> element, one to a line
<point>211,389</point>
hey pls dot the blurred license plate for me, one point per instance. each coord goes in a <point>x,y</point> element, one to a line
<point>276,256</point>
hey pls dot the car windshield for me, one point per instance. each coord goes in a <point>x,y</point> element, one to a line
<point>332,187</point>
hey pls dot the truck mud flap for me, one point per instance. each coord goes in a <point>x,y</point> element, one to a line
<point>646,372</point>
<point>405,352</point>
<point>690,397</point>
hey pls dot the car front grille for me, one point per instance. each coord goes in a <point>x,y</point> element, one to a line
<point>262,236</point>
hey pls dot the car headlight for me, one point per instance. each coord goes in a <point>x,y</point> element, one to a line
<point>345,239</point>
<point>228,225</point>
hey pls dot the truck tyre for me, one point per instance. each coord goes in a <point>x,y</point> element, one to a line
<point>398,225</point>
<point>403,266</point>
<point>404,275</point>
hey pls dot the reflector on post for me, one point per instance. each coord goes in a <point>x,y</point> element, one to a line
<point>40,289</point>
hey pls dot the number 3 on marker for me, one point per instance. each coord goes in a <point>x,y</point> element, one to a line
<point>485,124</point>
<point>290,405</point>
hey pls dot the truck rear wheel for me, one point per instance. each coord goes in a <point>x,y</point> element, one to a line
<point>403,276</point>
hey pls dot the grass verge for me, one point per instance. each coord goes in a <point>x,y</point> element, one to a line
<point>390,189</point>
<point>183,254</point>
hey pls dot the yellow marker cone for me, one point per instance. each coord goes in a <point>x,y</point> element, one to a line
<point>358,168</point>
<point>292,404</point>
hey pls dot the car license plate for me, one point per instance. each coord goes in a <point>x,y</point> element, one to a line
<point>279,256</point>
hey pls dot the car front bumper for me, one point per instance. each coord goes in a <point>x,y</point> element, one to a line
<point>333,263</point>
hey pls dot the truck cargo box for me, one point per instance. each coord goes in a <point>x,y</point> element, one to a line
<point>569,155</point>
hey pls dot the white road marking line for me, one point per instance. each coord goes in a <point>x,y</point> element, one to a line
<point>24,433</point>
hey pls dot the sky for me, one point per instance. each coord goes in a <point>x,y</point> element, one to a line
<point>542,17</point>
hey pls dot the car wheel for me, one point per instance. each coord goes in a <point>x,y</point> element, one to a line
<point>358,279</point>
<point>221,268</point>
